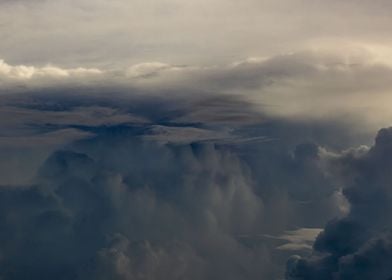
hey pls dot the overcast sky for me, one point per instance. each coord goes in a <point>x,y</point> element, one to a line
<point>316,52</point>
<point>119,32</point>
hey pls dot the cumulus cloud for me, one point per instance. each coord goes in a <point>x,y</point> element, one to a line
<point>129,185</point>
<point>185,217</point>
<point>356,246</point>
<point>184,171</point>
<point>210,139</point>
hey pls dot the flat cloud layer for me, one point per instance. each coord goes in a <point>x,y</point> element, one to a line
<point>301,85</point>
<point>101,33</point>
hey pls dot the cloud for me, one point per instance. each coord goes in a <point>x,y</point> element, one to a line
<point>308,84</point>
<point>168,171</point>
<point>149,69</point>
<point>356,246</point>
<point>204,32</point>
<point>198,197</point>
<point>195,140</point>
<point>125,185</point>
<point>22,72</point>
<point>299,240</point>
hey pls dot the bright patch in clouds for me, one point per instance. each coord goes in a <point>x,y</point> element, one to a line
<point>23,72</point>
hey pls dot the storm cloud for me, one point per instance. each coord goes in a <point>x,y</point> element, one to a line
<point>149,140</point>
<point>129,185</point>
<point>357,246</point>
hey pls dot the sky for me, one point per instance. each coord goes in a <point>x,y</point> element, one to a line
<point>195,140</point>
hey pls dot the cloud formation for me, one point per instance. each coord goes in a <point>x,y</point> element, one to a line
<point>357,246</point>
<point>209,139</point>
<point>94,208</point>
<point>299,240</point>
<point>22,72</point>
<point>207,32</point>
<point>129,185</point>
<point>308,84</point>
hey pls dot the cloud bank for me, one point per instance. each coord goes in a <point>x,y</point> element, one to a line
<point>157,171</point>
<point>123,184</point>
<point>198,140</point>
<point>309,84</point>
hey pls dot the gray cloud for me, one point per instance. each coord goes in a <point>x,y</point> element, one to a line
<point>206,139</point>
<point>301,239</point>
<point>164,170</point>
<point>155,185</point>
<point>303,85</point>
<point>100,193</point>
<point>358,245</point>
<point>82,32</point>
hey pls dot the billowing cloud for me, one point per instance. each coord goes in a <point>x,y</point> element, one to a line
<point>210,139</point>
<point>357,246</point>
<point>132,186</point>
<point>185,216</point>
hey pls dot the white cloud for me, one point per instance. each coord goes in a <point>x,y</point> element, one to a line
<point>23,72</point>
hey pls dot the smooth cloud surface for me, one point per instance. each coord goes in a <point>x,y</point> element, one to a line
<point>177,32</point>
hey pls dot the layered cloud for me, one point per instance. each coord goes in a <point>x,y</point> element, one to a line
<point>210,139</point>
<point>310,84</point>
<point>154,187</point>
<point>129,32</point>
<point>221,172</point>
<point>22,72</point>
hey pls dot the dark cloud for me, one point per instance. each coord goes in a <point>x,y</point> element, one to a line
<point>159,186</point>
<point>178,207</point>
<point>195,140</point>
<point>357,246</point>
<point>305,85</point>
<point>188,180</point>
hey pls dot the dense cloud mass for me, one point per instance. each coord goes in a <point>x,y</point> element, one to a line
<point>143,174</point>
<point>144,187</point>
<point>195,140</point>
<point>133,211</point>
<point>357,246</point>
